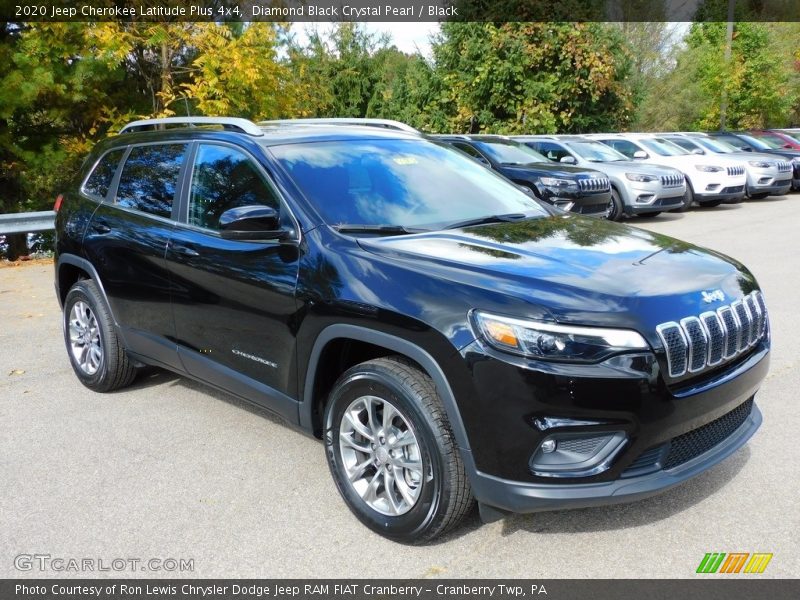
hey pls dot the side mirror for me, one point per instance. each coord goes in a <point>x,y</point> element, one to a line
<point>482,161</point>
<point>697,151</point>
<point>787,146</point>
<point>640,154</point>
<point>568,160</point>
<point>746,148</point>
<point>254,222</point>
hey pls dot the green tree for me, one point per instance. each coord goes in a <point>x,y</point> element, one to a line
<point>532,77</point>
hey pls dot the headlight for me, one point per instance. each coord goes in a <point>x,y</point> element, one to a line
<point>761,164</point>
<point>554,182</point>
<point>641,178</point>
<point>708,168</point>
<point>552,341</point>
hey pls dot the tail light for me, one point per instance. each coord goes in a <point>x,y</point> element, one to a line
<point>59,200</point>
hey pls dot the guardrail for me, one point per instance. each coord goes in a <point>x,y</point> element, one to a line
<point>29,222</point>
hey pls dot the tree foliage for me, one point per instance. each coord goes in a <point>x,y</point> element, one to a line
<point>531,77</point>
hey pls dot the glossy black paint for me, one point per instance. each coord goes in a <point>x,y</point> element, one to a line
<point>188,299</point>
<point>531,174</point>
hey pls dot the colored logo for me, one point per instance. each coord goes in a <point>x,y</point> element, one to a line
<point>734,562</point>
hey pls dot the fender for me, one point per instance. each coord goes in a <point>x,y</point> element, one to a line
<point>399,345</point>
<point>85,265</point>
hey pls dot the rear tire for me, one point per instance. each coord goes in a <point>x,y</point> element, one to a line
<point>615,207</point>
<point>94,349</point>
<point>392,454</point>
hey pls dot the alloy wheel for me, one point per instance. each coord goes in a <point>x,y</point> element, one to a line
<point>84,338</point>
<point>381,455</point>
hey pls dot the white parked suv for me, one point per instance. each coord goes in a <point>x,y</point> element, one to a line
<point>636,188</point>
<point>710,180</point>
<point>767,174</point>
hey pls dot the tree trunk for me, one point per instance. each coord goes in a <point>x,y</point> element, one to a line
<point>17,245</point>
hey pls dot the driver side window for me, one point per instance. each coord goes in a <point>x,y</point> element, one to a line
<point>225,178</point>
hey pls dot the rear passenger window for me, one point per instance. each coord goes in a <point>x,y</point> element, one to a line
<point>149,178</point>
<point>225,178</point>
<point>100,180</point>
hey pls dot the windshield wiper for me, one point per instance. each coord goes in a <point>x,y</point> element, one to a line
<point>486,220</point>
<point>380,229</point>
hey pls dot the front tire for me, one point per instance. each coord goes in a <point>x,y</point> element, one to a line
<point>615,209</point>
<point>392,453</point>
<point>688,199</point>
<point>95,351</point>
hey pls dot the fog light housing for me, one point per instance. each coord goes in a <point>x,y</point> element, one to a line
<point>573,454</point>
<point>548,446</point>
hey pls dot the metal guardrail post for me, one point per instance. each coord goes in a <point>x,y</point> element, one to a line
<point>29,222</point>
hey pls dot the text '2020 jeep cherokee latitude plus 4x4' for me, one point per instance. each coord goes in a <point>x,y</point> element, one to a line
<point>450,338</point>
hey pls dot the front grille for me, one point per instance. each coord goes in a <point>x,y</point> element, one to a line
<point>784,167</point>
<point>685,447</point>
<point>733,189</point>
<point>735,171</point>
<point>671,181</point>
<point>692,444</point>
<point>697,343</point>
<point>594,185</point>
<point>591,209</point>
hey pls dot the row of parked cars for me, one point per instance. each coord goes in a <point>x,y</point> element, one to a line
<point>644,174</point>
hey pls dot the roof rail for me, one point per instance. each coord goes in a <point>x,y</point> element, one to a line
<point>385,123</point>
<point>231,123</point>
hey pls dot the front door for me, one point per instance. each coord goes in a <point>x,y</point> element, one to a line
<point>234,301</point>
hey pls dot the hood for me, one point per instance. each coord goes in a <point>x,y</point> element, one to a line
<point>620,167</point>
<point>548,169</point>
<point>748,156</point>
<point>574,269</point>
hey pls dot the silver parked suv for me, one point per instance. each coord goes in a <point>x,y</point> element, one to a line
<point>767,174</point>
<point>636,188</point>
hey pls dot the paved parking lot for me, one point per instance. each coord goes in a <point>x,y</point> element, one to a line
<point>171,469</point>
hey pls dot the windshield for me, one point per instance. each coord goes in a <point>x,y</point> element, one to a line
<point>756,143</point>
<point>407,183</point>
<point>596,152</point>
<point>663,147</point>
<point>507,152</point>
<point>718,146</point>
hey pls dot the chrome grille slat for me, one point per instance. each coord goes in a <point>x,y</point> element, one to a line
<point>672,180</point>
<point>594,184</point>
<point>696,343</point>
<point>784,167</point>
<point>735,171</point>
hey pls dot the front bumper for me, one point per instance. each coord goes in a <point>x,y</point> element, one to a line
<point>731,193</point>
<point>514,496</point>
<point>777,187</point>
<point>653,415</point>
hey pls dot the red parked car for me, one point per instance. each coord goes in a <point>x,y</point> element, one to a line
<point>776,139</point>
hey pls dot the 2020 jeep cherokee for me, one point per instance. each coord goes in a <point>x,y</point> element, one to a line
<point>448,337</point>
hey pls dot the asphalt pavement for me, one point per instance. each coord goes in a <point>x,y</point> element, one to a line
<point>171,469</point>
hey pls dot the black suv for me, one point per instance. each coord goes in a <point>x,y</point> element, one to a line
<point>577,189</point>
<point>448,337</point>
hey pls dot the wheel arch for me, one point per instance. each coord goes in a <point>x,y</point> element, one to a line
<point>382,344</point>
<point>69,269</point>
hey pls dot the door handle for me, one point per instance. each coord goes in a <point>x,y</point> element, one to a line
<point>100,227</point>
<point>185,251</point>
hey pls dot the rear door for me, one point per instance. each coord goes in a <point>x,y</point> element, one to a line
<point>126,242</point>
<point>234,301</point>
